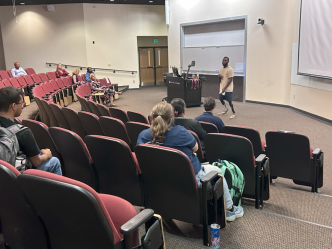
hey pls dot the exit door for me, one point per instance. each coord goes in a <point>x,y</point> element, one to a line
<point>153,63</point>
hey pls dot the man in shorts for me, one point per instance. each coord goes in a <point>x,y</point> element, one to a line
<point>226,75</point>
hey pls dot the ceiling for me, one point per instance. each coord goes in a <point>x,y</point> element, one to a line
<point>41,2</point>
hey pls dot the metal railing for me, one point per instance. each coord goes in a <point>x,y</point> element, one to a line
<point>93,68</point>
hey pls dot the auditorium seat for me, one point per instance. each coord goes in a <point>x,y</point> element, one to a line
<point>177,195</point>
<point>208,127</point>
<point>24,84</point>
<point>117,169</point>
<point>51,75</point>
<point>42,112</point>
<point>199,152</point>
<point>94,108</point>
<point>90,123</point>
<point>10,73</point>
<point>57,111</point>
<point>103,110</point>
<point>137,117</point>
<point>238,150</point>
<point>36,79</point>
<point>21,227</point>
<point>248,132</point>
<point>17,120</point>
<point>83,77</point>
<point>78,163</point>
<point>4,75</point>
<point>76,216</point>
<point>29,81</point>
<point>53,121</point>
<point>114,127</point>
<point>292,157</point>
<point>43,77</point>
<point>30,71</point>
<point>119,114</point>
<point>6,82</point>
<point>134,129</point>
<point>65,93</point>
<point>86,105</point>
<point>1,84</point>
<point>73,121</point>
<point>80,78</point>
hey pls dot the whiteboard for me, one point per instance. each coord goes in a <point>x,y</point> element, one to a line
<point>209,59</point>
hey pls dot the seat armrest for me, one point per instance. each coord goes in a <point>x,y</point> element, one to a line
<point>209,177</point>
<point>316,152</point>
<point>260,159</point>
<point>135,222</point>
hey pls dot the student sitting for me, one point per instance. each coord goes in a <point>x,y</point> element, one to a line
<point>11,105</point>
<point>60,72</point>
<point>17,70</point>
<point>162,133</point>
<point>209,105</point>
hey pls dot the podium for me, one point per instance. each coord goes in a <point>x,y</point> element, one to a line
<point>187,89</point>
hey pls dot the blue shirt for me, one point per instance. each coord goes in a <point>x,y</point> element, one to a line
<point>87,76</point>
<point>18,72</point>
<point>210,118</point>
<point>177,138</point>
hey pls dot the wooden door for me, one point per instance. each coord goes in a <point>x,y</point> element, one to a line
<point>161,62</point>
<point>146,59</point>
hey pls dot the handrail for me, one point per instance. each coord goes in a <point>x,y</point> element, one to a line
<point>93,68</point>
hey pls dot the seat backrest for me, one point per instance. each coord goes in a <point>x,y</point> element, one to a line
<point>21,226</point>
<point>56,109</point>
<point>199,152</point>
<point>42,136</point>
<point>134,129</point>
<point>6,82</point>
<point>30,71</point>
<point>86,105</point>
<point>289,155</point>
<point>70,78</point>
<point>94,108</point>
<point>4,74</point>
<point>54,84</point>
<point>21,81</point>
<point>14,82</point>
<point>250,133</point>
<point>90,123</point>
<point>28,80</point>
<point>103,110</point>
<point>103,82</point>
<point>66,81</point>
<point>10,73</point>
<point>83,77</point>
<point>237,150</point>
<point>158,165</point>
<point>1,84</point>
<point>78,164</point>
<point>209,127</point>
<point>43,77</point>
<point>36,78</point>
<point>51,75</point>
<point>73,121</point>
<point>60,83</point>
<point>137,117</point>
<point>45,88</point>
<point>119,114</point>
<point>53,121</point>
<point>80,78</point>
<point>116,164</point>
<point>114,127</point>
<point>42,112</point>
<point>73,213</point>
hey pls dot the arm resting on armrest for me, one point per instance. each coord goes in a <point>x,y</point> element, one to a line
<point>135,222</point>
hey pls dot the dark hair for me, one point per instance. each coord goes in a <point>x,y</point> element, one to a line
<point>161,116</point>
<point>209,104</point>
<point>227,58</point>
<point>178,105</point>
<point>8,96</point>
<point>87,70</point>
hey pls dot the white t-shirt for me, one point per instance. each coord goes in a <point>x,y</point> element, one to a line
<point>226,72</point>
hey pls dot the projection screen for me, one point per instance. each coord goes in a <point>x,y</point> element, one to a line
<point>315,42</point>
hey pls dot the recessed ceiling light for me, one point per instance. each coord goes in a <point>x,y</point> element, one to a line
<point>112,0</point>
<point>150,1</point>
<point>22,3</point>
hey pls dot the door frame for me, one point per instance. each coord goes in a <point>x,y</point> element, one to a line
<point>154,68</point>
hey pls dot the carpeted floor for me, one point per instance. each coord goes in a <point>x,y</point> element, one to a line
<point>293,217</point>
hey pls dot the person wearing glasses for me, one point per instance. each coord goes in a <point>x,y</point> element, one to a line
<point>11,105</point>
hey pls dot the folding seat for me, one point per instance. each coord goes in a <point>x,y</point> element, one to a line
<point>137,117</point>
<point>53,121</point>
<point>177,196</point>
<point>70,91</point>
<point>103,110</point>
<point>83,77</point>
<point>6,82</point>
<point>117,169</point>
<point>239,150</point>
<point>76,216</point>
<point>30,71</point>
<point>42,112</point>
<point>86,105</point>
<point>80,100</point>
<point>10,73</point>
<point>66,97</point>
<point>94,108</point>
<point>73,87</point>
<point>1,84</point>
<point>199,152</point>
<point>78,164</point>
<point>16,84</point>
<point>51,75</point>
<point>114,127</point>
<point>36,79</point>
<point>21,227</point>
<point>248,132</point>
<point>21,81</point>
<point>80,78</point>
<point>4,75</point>
<point>43,77</point>
<point>29,82</point>
<point>208,127</point>
<point>57,111</point>
<point>73,121</point>
<point>292,157</point>
<point>103,82</point>
<point>119,114</point>
<point>134,129</point>
<point>90,122</point>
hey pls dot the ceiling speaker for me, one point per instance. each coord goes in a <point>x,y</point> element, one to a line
<point>50,8</point>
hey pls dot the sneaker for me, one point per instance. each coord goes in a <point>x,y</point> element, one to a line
<point>237,213</point>
<point>223,113</point>
<point>233,116</point>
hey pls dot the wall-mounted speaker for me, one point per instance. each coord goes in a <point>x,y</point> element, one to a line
<point>50,8</point>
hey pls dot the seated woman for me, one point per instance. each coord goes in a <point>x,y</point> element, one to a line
<point>161,132</point>
<point>60,72</point>
<point>108,93</point>
<point>179,107</point>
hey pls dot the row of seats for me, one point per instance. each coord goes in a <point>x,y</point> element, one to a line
<point>8,74</point>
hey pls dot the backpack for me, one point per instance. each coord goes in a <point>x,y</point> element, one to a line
<point>232,172</point>
<point>9,146</point>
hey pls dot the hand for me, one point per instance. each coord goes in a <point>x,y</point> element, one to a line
<point>47,152</point>
<point>219,75</point>
<point>223,90</point>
